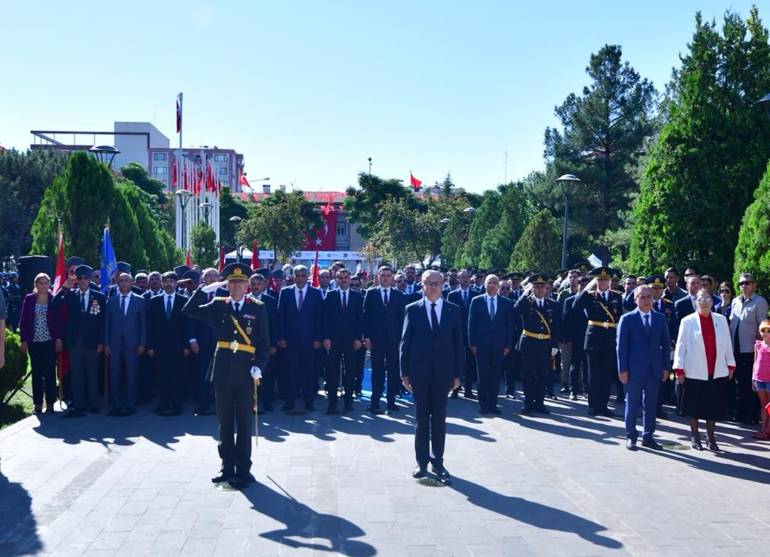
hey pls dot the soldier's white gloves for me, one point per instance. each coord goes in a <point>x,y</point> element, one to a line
<point>256,373</point>
<point>554,351</point>
<point>209,288</point>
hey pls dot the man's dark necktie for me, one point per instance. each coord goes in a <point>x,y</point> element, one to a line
<point>237,310</point>
<point>301,299</point>
<point>433,317</point>
<point>344,300</point>
<point>465,298</point>
<point>123,305</point>
<point>386,296</point>
<point>647,323</point>
<point>83,301</point>
<point>168,307</point>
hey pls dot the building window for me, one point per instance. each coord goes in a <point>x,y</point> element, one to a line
<point>159,156</point>
<point>342,229</point>
<point>159,170</point>
<point>223,171</point>
<point>220,157</point>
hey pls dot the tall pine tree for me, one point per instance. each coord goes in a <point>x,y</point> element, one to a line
<point>710,154</point>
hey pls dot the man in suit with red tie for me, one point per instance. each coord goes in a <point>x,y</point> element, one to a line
<point>343,329</point>
<point>299,329</point>
<point>383,318</point>
<point>432,357</point>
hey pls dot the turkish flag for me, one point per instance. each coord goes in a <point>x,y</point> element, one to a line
<point>316,278</point>
<point>61,268</point>
<point>415,182</point>
<point>254,255</point>
<point>221,258</point>
<point>173,172</point>
<point>187,260</point>
<point>324,239</point>
<point>179,113</point>
<point>243,181</point>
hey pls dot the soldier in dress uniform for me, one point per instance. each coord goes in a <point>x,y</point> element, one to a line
<point>603,308</point>
<point>243,343</point>
<point>539,320</point>
<point>662,305</point>
<point>512,360</point>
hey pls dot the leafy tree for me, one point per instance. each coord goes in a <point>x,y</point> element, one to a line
<point>752,253</point>
<point>279,222</point>
<point>127,240</point>
<point>154,192</point>
<point>363,204</point>
<point>485,218</point>
<point>604,133</point>
<point>539,247</point>
<point>497,245</point>
<point>24,177</point>
<point>710,154</point>
<point>204,244</point>
<point>229,206</point>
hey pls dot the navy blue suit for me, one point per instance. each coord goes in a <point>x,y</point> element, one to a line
<point>456,297</point>
<point>491,337</point>
<point>343,325</point>
<point>431,360</point>
<point>644,353</point>
<point>167,337</point>
<point>382,326</point>
<point>271,375</point>
<point>300,328</point>
<point>574,324</point>
<point>202,332</point>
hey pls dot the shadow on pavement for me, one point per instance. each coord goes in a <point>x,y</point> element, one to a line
<point>535,514</point>
<point>18,529</point>
<point>303,523</point>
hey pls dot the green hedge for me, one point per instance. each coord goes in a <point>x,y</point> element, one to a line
<point>15,370</point>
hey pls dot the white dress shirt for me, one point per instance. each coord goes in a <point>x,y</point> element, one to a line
<point>439,304</point>
<point>84,296</point>
<point>296,294</point>
<point>382,293</point>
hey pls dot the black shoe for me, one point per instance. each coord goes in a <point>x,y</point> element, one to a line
<point>454,393</point>
<point>564,390</point>
<point>246,478</point>
<point>175,411</point>
<point>592,412</point>
<point>420,472</point>
<point>348,406</point>
<point>573,396</point>
<point>696,444</point>
<point>94,410</point>
<point>543,410</point>
<point>237,483</point>
<point>712,445</point>
<point>331,410</point>
<point>309,407</point>
<point>162,410</point>
<point>483,411</point>
<point>221,478</point>
<point>115,413</point>
<point>392,407</point>
<point>359,394</point>
<point>608,413</point>
<point>288,409</point>
<point>661,415</point>
<point>374,409</point>
<point>440,471</point>
<point>496,411</point>
<point>652,444</point>
<point>553,397</point>
<point>526,411</point>
<point>72,413</point>
<point>468,393</point>
<point>630,444</point>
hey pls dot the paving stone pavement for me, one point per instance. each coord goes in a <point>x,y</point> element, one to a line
<point>560,485</point>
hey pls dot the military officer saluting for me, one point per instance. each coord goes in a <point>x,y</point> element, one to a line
<point>603,307</point>
<point>539,320</point>
<point>240,326</point>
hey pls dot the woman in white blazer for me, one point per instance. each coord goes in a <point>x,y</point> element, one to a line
<point>704,364</point>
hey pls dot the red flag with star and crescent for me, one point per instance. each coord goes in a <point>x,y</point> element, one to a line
<point>324,238</point>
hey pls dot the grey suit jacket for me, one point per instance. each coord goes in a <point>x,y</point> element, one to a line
<point>746,315</point>
<point>126,331</point>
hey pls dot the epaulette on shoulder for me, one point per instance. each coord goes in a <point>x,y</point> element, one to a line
<point>255,301</point>
<point>219,299</point>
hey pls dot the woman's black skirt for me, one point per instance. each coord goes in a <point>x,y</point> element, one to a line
<point>705,399</point>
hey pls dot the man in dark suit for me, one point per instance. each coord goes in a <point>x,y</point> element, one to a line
<point>383,320</point>
<point>270,375</point>
<point>299,328</point>
<point>412,286</point>
<point>643,352</point>
<point>574,324</point>
<point>462,298</point>
<point>168,343</point>
<point>200,336</point>
<point>432,357</point>
<point>242,339</point>
<point>83,338</point>
<point>343,330</point>
<point>490,329</point>
<point>125,340</point>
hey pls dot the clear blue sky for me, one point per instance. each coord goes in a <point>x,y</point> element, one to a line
<point>307,90</point>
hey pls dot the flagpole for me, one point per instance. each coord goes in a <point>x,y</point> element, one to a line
<point>179,166</point>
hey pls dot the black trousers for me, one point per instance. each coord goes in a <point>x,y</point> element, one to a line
<point>535,371</point>
<point>489,366</point>
<point>84,366</point>
<point>602,372</point>
<point>747,403</point>
<point>234,400</point>
<point>359,375</point>
<point>385,362</point>
<point>430,410</point>
<point>42,356</point>
<point>577,371</point>
<point>300,373</point>
<point>342,364</point>
<point>470,375</point>
<point>202,390</point>
<point>171,368</point>
<point>268,384</point>
<point>511,366</point>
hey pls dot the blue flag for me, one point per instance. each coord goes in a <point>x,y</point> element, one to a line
<point>109,261</point>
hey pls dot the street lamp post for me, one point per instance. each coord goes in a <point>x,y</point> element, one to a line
<point>206,207</point>
<point>184,198</point>
<point>564,181</point>
<point>236,220</point>
<point>105,154</point>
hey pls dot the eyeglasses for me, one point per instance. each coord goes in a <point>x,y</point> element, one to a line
<point>744,283</point>
<point>432,282</point>
<point>725,291</point>
<point>764,331</point>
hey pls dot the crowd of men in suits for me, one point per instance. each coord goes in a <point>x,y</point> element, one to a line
<point>542,330</point>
